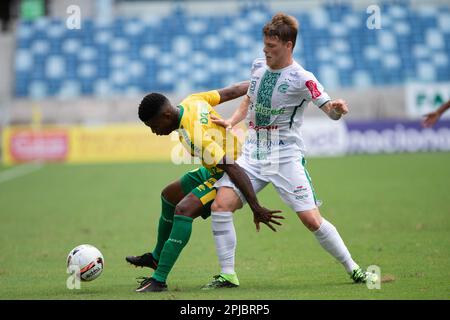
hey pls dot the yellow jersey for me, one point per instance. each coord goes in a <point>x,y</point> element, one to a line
<point>200,136</point>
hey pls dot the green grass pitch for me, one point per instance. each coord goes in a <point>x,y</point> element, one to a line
<point>392,211</point>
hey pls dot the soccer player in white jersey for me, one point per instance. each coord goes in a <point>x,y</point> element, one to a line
<point>273,151</point>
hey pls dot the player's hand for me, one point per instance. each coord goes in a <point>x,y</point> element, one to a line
<point>339,106</point>
<point>221,122</point>
<point>266,216</point>
<point>430,119</point>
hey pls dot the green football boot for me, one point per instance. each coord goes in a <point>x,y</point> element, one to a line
<point>360,276</point>
<point>223,281</point>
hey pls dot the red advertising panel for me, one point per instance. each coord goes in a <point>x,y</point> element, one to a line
<point>48,145</point>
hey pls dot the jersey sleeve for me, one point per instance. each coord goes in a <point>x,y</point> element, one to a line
<point>257,64</point>
<point>211,97</point>
<point>312,90</point>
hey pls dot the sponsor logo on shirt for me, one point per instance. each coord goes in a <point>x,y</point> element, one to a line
<point>203,112</point>
<point>264,143</point>
<point>252,125</point>
<point>261,109</point>
<point>312,87</point>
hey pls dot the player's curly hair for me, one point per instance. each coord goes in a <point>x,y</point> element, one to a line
<point>150,106</point>
<point>283,26</point>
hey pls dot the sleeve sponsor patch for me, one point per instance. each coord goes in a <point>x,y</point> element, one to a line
<point>312,87</point>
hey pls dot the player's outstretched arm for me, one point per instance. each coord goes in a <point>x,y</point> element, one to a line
<point>238,115</point>
<point>234,91</point>
<point>335,109</point>
<point>432,117</point>
<point>241,180</point>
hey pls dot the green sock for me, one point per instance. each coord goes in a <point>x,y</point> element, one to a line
<point>179,237</point>
<point>164,227</point>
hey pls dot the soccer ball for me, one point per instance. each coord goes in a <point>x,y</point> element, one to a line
<point>87,261</point>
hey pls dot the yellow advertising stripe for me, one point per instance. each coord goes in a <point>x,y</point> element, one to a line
<point>111,143</point>
<point>6,155</point>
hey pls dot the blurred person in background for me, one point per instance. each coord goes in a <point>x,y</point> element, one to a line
<point>5,14</point>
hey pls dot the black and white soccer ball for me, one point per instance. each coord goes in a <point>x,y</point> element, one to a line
<point>86,261</point>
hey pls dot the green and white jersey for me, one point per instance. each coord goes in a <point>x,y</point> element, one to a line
<point>278,99</point>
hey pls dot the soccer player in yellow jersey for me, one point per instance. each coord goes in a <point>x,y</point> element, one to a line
<point>192,195</point>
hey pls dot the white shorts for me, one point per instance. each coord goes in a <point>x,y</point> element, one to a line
<point>291,181</point>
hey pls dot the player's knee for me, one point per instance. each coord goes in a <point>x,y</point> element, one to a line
<point>182,209</point>
<point>311,220</point>
<point>215,206</point>
<point>312,224</point>
<point>223,206</point>
<point>187,210</point>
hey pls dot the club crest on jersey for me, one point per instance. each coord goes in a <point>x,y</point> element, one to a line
<point>312,87</point>
<point>283,87</point>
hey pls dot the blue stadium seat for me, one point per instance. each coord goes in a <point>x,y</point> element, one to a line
<point>183,50</point>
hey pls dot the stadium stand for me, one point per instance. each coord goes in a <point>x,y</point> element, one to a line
<point>183,50</point>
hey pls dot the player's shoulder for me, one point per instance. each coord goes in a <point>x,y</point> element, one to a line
<point>258,63</point>
<point>189,104</point>
<point>299,72</point>
<point>299,75</point>
<point>197,101</point>
<point>204,95</point>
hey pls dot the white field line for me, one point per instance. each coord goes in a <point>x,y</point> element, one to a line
<point>19,171</point>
